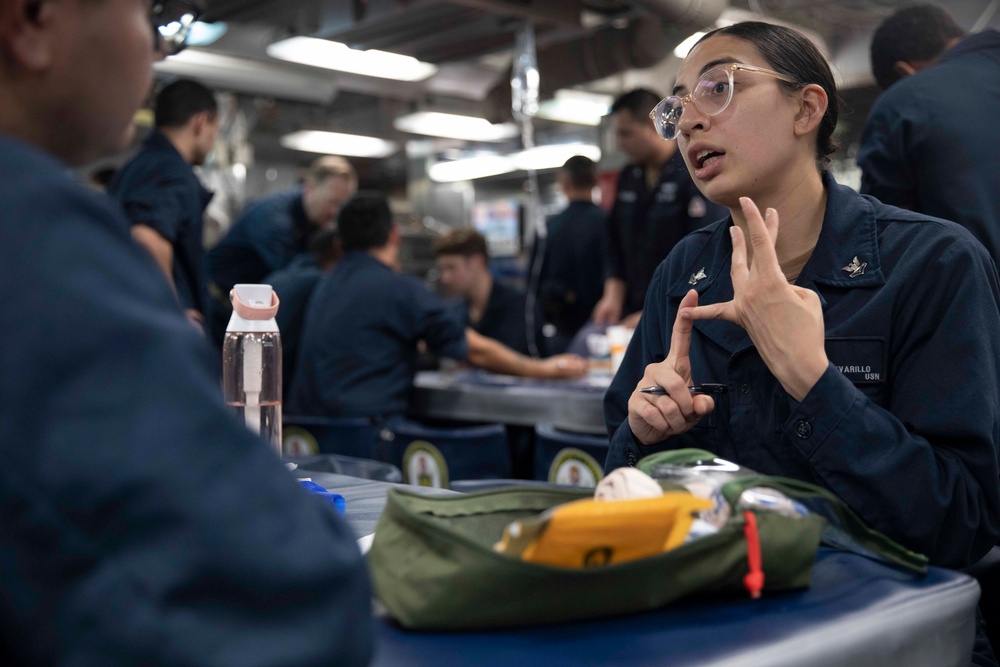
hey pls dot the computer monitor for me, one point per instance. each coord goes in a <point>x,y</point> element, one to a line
<point>499,221</point>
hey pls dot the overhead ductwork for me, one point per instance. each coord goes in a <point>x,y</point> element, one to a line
<point>610,50</point>
<point>578,40</point>
<point>694,14</point>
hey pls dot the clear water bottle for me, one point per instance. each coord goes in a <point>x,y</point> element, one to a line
<point>251,361</point>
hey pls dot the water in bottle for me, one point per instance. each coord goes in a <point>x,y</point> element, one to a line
<point>251,361</point>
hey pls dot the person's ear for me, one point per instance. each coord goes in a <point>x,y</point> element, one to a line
<point>904,69</point>
<point>27,32</point>
<point>198,123</point>
<point>813,103</point>
<point>204,121</point>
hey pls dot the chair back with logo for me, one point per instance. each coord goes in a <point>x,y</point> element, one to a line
<point>349,436</point>
<point>432,456</point>
<point>573,459</point>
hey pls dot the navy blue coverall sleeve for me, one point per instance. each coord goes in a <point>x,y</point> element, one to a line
<point>438,323</point>
<point>646,347</point>
<point>160,206</point>
<point>141,523</point>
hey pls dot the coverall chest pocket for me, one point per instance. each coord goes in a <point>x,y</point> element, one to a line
<point>862,360</point>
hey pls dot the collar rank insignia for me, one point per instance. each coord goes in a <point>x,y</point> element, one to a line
<point>697,277</point>
<point>855,268</point>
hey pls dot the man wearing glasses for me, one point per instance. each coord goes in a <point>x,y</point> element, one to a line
<point>141,523</point>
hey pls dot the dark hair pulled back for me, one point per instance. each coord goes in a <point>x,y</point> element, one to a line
<point>789,52</point>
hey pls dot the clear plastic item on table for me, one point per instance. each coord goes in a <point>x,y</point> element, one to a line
<point>706,478</point>
<point>599,351</point>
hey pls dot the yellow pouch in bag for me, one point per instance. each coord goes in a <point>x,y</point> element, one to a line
<point>587,533</point>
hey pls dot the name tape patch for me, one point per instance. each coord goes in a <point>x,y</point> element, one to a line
<point>861,360</point>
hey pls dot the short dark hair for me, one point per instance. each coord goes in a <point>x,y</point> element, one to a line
<point>466,242</point>
<point>581,172</point>
<point>789,52</point>
<point>324,246</point>
<point>912,34</point>
<point>638,102</point>
<point>181,100</point>
<point>364,222</point>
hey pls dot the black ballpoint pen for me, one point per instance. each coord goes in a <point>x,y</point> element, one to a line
<point>706,388</point>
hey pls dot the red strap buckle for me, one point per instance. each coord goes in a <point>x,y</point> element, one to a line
<point>754,579</point>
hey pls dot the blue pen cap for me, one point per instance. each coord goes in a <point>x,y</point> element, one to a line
<point>334,499</point>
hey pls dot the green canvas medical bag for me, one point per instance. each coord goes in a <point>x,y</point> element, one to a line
<point>433,564</point>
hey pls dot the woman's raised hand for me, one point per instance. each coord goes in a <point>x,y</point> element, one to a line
<point>654,418</point>
<point>785,322</point>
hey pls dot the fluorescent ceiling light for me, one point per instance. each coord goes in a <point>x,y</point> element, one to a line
<point>470,168</point>
<point>203,34</point>
<point>454,126</point>
<point>334,143</point>
<point>682,49</point>
<point>538,158</point>
<point>576,106</point>
<point>334,55</point>
<point>244,75</point>
<point>554,156</point>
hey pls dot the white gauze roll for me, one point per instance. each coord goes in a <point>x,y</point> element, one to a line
<point>627,484</point>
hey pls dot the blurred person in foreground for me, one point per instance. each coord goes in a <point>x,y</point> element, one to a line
<point>359,347</point>
<point>931,143</point>
<point>857,340</point>
<point>162,196</point>
<point>142,524</point>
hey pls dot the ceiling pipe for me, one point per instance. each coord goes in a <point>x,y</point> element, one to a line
<point>609,50</point>
<point>603,53</point>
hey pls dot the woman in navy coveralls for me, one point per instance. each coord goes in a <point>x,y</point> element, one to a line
<point>857,340</point>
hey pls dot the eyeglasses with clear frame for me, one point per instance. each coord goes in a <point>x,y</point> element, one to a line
<point>172,21</point>
<point>711,95</point>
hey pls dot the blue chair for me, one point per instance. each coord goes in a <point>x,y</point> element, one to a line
<point>574,459</point>
<point>345,465</point>
<point>350,436</point>
<point>431,456</point>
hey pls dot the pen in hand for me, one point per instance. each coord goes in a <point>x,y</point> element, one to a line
<point>706,388</point>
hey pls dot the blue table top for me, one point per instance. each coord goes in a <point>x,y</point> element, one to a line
<point>858,612</point>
